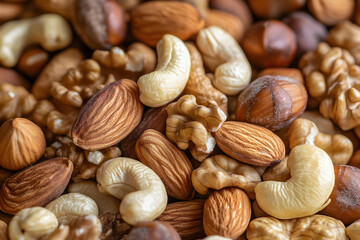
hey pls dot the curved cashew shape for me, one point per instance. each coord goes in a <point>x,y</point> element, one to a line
<point>221,171</point>
<point>142,192</point>
<point>353,230</point>
<point>32,223</point>
<point>306,192</point>
<point>170,76</point>
<point>51,31</point>
<point>67,207</point>
<point>224,56</point>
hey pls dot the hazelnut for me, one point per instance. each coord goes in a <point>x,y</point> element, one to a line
<point>270,44</point>
<point>272,102</point>
<point>155,230</point>
<point>345,197</point>
<point>274,8</point>
<point>288,72</point>
<point>32,61</point>
<point>309,32</point>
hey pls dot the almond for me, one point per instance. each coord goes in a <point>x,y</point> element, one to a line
<point>36,185</point>
<point>186,218</point>
<point>227,213</point>
<point>250,143</point>
<point>108,117</point>
<point>151,20</point>
<point>168,162</point>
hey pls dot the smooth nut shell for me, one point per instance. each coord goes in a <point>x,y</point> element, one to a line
<point>32,61</point>
<point>10,76</point>
<point>274,8</point>
<point>115,23</point>
<point>287,72</point>
<point>155,230</point>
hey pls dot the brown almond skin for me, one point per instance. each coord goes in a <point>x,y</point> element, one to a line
<point>250,143</point>
<point>36,185</point>
<point>108,117</point>
<point>227,213</point>
<point>168,162</point>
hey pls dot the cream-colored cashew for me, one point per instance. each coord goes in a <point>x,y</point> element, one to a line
<point>353,230</point>
<point>51,31</point>
<point>105,202</point>
<point>224,56</point>
<point>32,223</point>
<point>67,207</point>
<point>216,237</point>
<point>142,192</point>
<point>170,76</point>
<point>306,192</point>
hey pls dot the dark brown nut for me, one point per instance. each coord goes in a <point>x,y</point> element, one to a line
<point>270,44</point>
<point>4,174</point>
<point>155,230</point>
<point>272,102</point>
<point>113,227</point>
<point>331,12</point>
<point>287,72</point>
<point>12,77</point>
<point>32,61</point>
<point>115,23</point>
<point>9,11</point>
<point>309,32</point>
<point>274,8</point>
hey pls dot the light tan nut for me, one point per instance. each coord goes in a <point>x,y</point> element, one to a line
<point>32,223</point>
<point>22,143</point>
<point>155,230</point>
<point>69,206</point>
<point>200,85</point>
<point>15,101</point>
<point>3,230</point>
<point>279,172</point>
<point>51,31</point>
<point>221,171</point>
<point>306,192</point>
<point>338,147</point>
<point>224,56</point>
<point>353,230</point>
<point>142,193</point>
<point>173,63</point>
<point>257,211</point>
<point>105,203</point>
<point>313,227</point>
<point>113,226</point>
<point>216,237</point>
<point>189,125</point>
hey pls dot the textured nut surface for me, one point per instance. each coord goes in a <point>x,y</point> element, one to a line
<point>278,172</point>
<point>113,226</point>
<point>22,143</point>
<point>3,230</point>
<point>250,144</point>
<point>168,162</point>
<point>108,117</point>
<point>306,192</point>
<point>353,230</point>
<point>154,230</point>
<point>227,213</point>
<point>36,185</point>
<point>142,192</point>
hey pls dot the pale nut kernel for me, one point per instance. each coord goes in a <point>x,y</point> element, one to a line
<point>353,230</point>
<point>216,237</point>
<point>173,63</point>
<point>69,206</point>
<point>221,171</point>
<point>32,223</point>
<point>142,192</point>
<point>306,192</point>
<point>224,56</point>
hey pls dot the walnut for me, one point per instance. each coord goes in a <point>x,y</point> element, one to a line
<point>114,228</point>
<point>333,79</point>
<point>189,125</point>
<point>279,172</point>
<point>85,162</point>
<point>15,101</point>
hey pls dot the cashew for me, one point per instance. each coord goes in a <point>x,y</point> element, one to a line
<point>32,223</point>
<point>105,203</point>
<point>69,206</point>
<point>51,31</point>
<point>216,237</point>
<point>353,230</point>
<point>224,56</point>
<point>142,192</point>
<point>306,192</point>
<point>170,76</point>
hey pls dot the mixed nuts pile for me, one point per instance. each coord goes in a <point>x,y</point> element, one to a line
<point>192,119</point>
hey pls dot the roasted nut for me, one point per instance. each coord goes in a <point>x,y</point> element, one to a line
<point>3,230</point>
<point>269,44</point>
<point>189,125</point>
<point>274,8</point>
<point>142,193</point>
<point>155,230</point>
<point>353,230</point>
<point>4,174</point>
<point>9,11</point>
<point>223,56</point>
<point>22,143</point>
<point>32,223</point>
<point>220,171</point>
<point>278,172</point>
<point>32,61</point>
<point>113,227</point>
<point>250,144</point>
<point>14,78</point>
<point>36,185</point>
<point>272,102</point>
<point>173,63</point>
<point>338,147</point>
<point>308,189</point>
<point>151,20</point>
<point>257,211</point>
<point>51,31</point>
<point>293,73</point>
<point>227,213</point>
<point>312,227</point>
